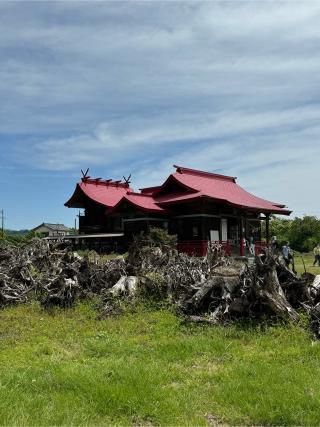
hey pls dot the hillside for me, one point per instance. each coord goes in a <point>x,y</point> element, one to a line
<point>16,232</point>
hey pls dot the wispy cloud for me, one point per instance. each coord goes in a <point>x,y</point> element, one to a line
<point>233,86</point>
<point>219,136</point>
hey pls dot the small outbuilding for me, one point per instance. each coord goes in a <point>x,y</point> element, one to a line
<point>51,230</point>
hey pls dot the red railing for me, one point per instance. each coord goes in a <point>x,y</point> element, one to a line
<point>259,247</point>
<point>193,247</point>
<point>200,247</point>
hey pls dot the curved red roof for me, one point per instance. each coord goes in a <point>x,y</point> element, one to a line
<point>149,190</point>
<point>218,187</point>
<point>183,185</point>
<point>106,193</point>
<point>141,201</point>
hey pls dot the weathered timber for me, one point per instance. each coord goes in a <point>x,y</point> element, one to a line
<point>214,289</point>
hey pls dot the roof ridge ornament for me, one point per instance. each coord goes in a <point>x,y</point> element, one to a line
<point>127,180</point>
<point>182,169</point>
<point>99,181</point>
<point>85,175</point>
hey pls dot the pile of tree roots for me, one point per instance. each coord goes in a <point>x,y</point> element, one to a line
<point>215,289</point>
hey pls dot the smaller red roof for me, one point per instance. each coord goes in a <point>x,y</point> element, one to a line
<point>149,190</point>
<point>141,201</point>
<point>107,193</point>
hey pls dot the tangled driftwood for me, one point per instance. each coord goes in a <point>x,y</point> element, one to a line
<point>217,289</point>
<point>53,275</point>
<point>214,289</point>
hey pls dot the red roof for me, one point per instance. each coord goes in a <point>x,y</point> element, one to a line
<point>183,185</point>
<point>107,193</point>
<point>149,190</point>
<point>219,187</point>
<point>141,201</point>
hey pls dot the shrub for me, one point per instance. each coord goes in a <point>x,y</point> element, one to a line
<point>160,237</point>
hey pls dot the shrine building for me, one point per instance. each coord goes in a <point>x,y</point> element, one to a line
<point>197,206</point>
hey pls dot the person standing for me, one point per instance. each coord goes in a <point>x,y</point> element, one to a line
<point>287,254</point>
<point>251,244</point>
<point>316,252</point>
<point>274,243</point>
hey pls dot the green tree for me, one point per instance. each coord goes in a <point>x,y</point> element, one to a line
<point>304,233</point>
<point>279,227</point>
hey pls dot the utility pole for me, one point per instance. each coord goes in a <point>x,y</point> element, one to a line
<point>75,222</point>
<point>2,223</point>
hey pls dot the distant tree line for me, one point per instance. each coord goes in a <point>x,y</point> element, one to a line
<point>302,233</point>
<point>17,237</point>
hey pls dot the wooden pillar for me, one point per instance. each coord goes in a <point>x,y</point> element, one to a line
<point>242,240</point>
<point>267,229</point>
<point>203,229</point>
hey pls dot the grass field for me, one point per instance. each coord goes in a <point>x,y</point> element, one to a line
<point>308,260</point>
<point>146,368</point>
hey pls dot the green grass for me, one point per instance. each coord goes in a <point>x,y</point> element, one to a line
<point>308,260</point>
<point>67,368</point>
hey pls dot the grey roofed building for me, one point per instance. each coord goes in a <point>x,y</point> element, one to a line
<point>47,230</point>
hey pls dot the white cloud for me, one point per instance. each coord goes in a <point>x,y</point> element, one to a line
<point>232,86</point>
<point>276,130</point>
<point>110,59</point>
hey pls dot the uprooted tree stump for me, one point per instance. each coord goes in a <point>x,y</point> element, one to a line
<point>214,289</point>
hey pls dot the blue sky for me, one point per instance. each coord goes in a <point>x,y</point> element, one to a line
<point>134,87</point>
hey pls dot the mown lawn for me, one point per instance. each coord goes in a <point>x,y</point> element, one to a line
<point>146,368</point>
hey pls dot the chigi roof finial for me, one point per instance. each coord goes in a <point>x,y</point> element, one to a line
<point>127,180</point>
<point>85,174</point>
